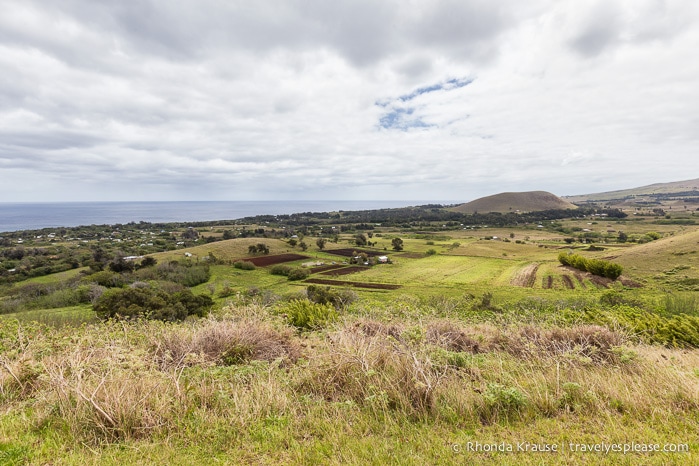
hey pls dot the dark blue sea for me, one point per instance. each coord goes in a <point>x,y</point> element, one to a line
<point>34,216</point>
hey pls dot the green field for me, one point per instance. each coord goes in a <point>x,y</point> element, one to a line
<point>482,338</point>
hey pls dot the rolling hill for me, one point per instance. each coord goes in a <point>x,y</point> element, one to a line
<point>527,201</point>
<point>650,190</point>
<point>673,257</point>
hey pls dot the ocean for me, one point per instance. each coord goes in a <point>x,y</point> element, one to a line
<point>34,216</point>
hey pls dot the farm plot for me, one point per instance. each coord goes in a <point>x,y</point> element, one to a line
<point>372,286</point>
<point>525,277</point>
<point>345,270</point>
<point>264,261</point>
<point>446,270</point>
<point>325,268</point>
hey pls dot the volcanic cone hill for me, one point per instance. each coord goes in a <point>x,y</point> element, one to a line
<point>512,202</point>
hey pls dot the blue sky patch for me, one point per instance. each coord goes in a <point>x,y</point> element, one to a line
<point>403,118</point>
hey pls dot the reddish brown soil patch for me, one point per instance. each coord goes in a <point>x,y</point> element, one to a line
<point>630,283</point>
<point>600,281</point>
<point>568,282</point>
<point>580,279</point>
<point>349,252</point>
<point>373,286</point>
<point>548,282</point>
<point>264,261</point>
<point>346,270</point>
<point>324,268</point>
<point>526,277</point>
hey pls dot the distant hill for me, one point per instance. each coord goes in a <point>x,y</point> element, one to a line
<point>528,201</point>
<point>657,188</point>
<point>672,258</point>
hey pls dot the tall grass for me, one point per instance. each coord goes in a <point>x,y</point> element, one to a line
<point>250,387</point>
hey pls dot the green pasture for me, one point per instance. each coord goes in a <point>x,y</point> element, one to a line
<point>73,315</point>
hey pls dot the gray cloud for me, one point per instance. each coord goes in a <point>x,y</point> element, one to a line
<point>180,100</point>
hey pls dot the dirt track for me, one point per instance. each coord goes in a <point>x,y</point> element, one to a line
<point>525,277</point>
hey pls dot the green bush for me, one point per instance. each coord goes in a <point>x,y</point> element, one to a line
<point>598,267</point>
<point>244,265</point>
<point>680,330</point>
<point>280,269</point>
<point>326,295</point>
<point>107,278</point>
<point>151,303</point>
<point>305,314</point>
<point>298,274</point>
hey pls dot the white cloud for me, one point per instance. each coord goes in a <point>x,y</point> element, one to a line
<point>231,100</point>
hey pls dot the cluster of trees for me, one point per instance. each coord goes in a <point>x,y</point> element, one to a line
<point>259,248</point>
<point>598,267</point>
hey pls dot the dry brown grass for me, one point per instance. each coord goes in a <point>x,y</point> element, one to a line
<point>589,342</point>
<point>374,369</point>
<point>224,342</point>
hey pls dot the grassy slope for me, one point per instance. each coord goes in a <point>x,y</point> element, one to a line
<point>658,188</point>
<point>662,255</point>
<point>347,401</point>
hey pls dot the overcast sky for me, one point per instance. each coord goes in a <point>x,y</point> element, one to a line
<point>363,99</point>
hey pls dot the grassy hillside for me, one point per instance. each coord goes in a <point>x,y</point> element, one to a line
<point>657,188</point>
<point>512,202</point>
<point>407,383</point>
<point>673,260</point>
<point>470,334</point>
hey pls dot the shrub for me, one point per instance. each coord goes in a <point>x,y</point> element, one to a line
<point>244,265</point>
<point>675,331</point>
<point>340,299</point>
<point>107,278</point>
<point>151,303</point>
<point>280,269</point>
<point>594,266</point>
<point>298,274</point>
<point>431,252</point>
<point>304,314</point>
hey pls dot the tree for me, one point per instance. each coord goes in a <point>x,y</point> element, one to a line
<point>397,244</point>
<point>190,233</point>
<point>320,242</point>
<point>360,239</point>
<point>148,262</point>
<point>303,245</point>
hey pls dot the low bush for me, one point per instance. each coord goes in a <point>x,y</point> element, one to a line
<point>339,298</point>
<point>304,314</point>
<point>281,269</point>
<point>680,330</point>
<point>244,265</point>
<point>594,266</point>
<point>151,303</point>
<point>298,274</point>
